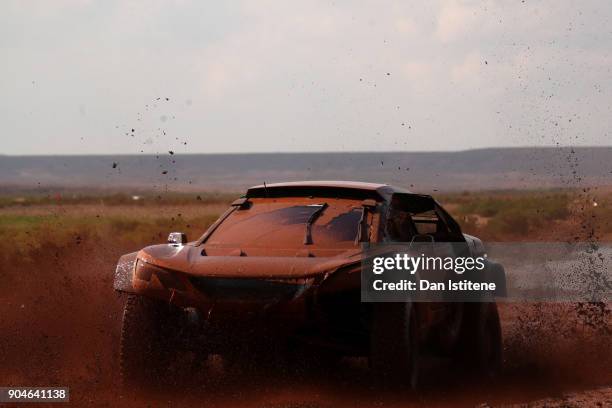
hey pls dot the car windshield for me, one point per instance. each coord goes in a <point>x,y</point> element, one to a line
<point>282,223</point>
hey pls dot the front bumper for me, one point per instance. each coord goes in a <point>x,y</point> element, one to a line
<point>224,298</point>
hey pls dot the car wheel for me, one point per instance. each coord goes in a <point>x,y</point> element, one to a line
<point>300,359</point>
<point>394,344</point>
<point>450,330</point>
<point>148,341</point>
<point>480,344</point>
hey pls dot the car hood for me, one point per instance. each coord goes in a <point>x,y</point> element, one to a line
<point>190,259</point>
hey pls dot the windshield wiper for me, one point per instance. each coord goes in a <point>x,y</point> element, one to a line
<point>363,227</point>
<point>311,220</point>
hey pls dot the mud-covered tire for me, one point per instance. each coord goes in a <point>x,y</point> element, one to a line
<point>394,344</point>
<point>308,360</point>
<point>148,341</point>
<point>480,348</point>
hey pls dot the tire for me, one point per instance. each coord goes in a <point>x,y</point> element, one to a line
<point>480,344</point>
<point>148,342</point>
<point>450,330</point>
<point>394,344</point>
<point>302,359</point>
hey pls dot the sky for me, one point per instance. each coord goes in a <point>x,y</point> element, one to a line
<point>129,77</point>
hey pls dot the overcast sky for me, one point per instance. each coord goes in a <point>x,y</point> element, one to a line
<point>76,76</point>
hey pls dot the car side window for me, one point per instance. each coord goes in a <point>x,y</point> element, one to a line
<point>400,227</point>
<point>429,222</point>
<point>412,214</point>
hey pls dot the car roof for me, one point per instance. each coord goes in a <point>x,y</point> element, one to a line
<point>344,188</point>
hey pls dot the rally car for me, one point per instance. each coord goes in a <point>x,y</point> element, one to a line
<point>277,278</point>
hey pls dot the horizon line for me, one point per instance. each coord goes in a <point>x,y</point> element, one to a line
<point>307,153</point>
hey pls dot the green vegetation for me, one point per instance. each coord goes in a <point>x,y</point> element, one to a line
<point>15,221</point>
<point>501,214</point>
<point>20,235</point>
<point>29,198</point>
<point>545,206</point>
<point>32,222</point>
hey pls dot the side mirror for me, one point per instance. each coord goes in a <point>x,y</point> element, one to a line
<point>177,238</point>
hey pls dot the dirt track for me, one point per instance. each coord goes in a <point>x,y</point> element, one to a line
<point>59,325</point>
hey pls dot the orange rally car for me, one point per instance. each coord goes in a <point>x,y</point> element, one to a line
<point>277,278</point>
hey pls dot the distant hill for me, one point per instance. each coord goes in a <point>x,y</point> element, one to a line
<point>503,168</point>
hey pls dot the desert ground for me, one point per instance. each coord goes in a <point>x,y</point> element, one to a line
<point>60,319</point>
